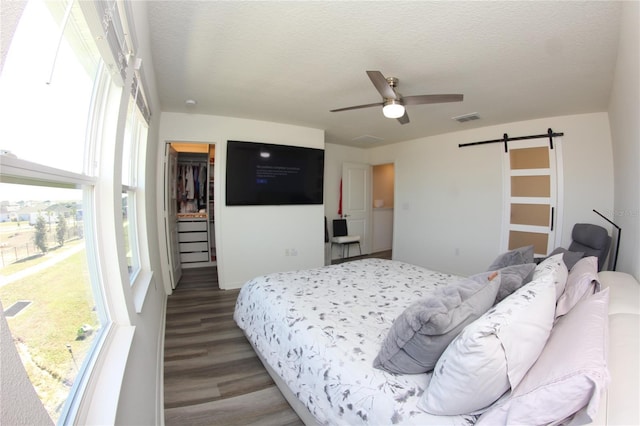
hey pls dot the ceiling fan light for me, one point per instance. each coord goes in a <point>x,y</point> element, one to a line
<point>393,109</point>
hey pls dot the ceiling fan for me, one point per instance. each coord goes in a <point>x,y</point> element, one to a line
<point>393,103</point>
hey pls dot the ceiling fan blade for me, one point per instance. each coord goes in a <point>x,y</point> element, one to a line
<point>356,107</point>
<point>431,99</point>
<point>405,118</point>
<point>382,85</point>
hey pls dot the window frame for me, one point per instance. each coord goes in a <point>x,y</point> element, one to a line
<point>134,142</point>
<point>111,345</point>
<point>96,392</point>
<point>131,104</point>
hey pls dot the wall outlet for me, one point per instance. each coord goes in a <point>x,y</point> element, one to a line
<point>290,252</point>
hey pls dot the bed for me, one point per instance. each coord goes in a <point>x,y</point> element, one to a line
<point>319,331</point>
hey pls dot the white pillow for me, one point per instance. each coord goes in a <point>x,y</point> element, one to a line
<point>582,281</point>
<point>493,353</point>
<point>570,375</point>
<point>554,266</point>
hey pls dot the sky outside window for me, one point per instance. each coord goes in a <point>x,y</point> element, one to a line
<point>44,114</point>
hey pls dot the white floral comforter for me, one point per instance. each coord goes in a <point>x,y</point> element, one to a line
<point>320,330</point>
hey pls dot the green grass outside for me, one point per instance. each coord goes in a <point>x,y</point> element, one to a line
<point>14,240</point>
<point>10,224</point>
<point>38,258</point>
<point>61,304</point>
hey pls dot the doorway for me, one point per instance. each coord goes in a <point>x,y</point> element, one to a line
<point>190,208</point>
<point>383,202</point>
<point>366,202</point>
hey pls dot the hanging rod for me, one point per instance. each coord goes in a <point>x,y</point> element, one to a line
<point>198,162</point>
<point>505,138</point>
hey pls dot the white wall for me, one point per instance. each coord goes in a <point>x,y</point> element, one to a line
<point>448,200</point>
<point>252,240</point>
<point>624,110</point>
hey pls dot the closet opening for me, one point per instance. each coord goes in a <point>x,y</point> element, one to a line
<point>190,194</point>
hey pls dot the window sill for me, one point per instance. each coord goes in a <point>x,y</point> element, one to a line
<point>140,288</point>
<point>101,395</point>
<point>16,170</point>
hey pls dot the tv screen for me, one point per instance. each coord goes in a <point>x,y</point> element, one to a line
<point>268,174</point>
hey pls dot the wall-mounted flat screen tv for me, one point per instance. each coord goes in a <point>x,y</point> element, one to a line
<point>269,174</point>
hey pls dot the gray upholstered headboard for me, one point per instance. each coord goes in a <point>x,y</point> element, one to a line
<point>591,239</point>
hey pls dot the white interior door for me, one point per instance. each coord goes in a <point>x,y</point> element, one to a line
<point>356,201</point>
<point>532,196</point>
<point>171,214</point>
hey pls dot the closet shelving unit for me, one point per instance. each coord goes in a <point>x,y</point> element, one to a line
<point>193,229</point>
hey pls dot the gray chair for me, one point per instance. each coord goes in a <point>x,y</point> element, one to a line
<point>342,238</point>
<point>591,239</point>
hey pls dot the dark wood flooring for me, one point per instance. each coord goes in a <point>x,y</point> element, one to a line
<point>379,255</point>
<point>212,376</point>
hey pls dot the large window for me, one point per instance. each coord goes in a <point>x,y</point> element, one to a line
<point>134,145</point>
<point>46,86</point>
<point>59,227</point>
<point>46,291</point>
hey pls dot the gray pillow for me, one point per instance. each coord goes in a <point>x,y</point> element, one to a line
<point>513,277</point>
<point>570,258</point>
<point>512,257</point>
<point>423,331</point>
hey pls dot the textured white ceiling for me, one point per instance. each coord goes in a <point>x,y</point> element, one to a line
<point>292,62</point>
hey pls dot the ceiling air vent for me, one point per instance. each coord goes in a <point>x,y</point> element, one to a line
<point>467,117</point>
<point>367,139</point>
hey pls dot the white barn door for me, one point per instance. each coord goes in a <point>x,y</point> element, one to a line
<point>533,194</point>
